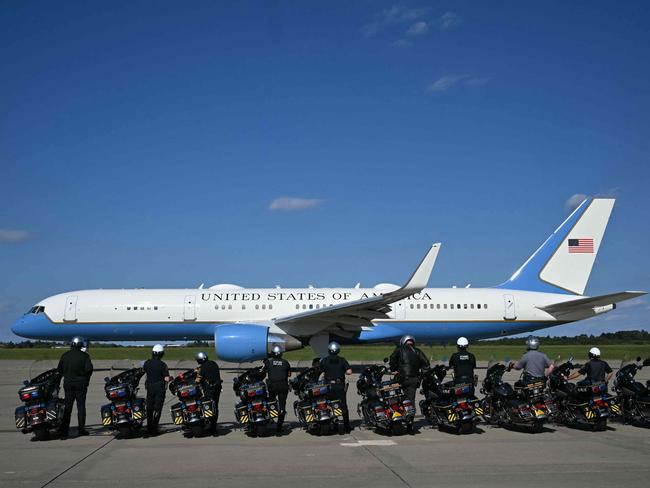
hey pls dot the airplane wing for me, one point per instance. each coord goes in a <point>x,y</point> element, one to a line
<point>590,302</point>
<point>347,318</point>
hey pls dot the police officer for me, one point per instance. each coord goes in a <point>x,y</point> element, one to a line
<point>463,362</point>
<point>407,361</point>
<point>278,371</point>
<point>209,376</point>
<point>334,369</point>
<point>535,364</point>
<point>595,370</point>
<point>157,378</point>
<point>76,368</point>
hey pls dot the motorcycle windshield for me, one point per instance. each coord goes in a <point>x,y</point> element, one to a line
<point>40,366</point>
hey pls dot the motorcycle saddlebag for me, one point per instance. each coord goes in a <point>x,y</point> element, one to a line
<point>21,417</point>
<point>273,409</point>
<point>209,408</point>
<point>54,409</point>
<point>241,414</point>
<point>107,415</point>
<point>177,414</point>
<point>139,409</point>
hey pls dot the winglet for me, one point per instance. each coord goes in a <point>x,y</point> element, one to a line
<point>420,276</point>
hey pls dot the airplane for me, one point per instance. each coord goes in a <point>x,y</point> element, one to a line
<point>547,290</point>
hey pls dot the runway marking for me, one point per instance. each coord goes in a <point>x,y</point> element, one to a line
<point>378,442</point>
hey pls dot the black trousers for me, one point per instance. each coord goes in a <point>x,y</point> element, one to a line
<point>213,393</point>
<point>155,402</point>
<point>410,385</point>
<point>74,392</point>
<point>338,393</point>
<point>279,390</point>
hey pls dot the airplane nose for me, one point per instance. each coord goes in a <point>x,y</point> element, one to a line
<point>20,327</point>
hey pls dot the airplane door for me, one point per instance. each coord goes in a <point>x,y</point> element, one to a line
<point>397,311</point>
<point>509,303</point>
<point>189,311</point>
<point>70,313</point>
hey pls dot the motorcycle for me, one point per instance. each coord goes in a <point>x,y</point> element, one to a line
<point>633,397</point>
<point>384,405</point>
<point>316,410</point>
<point>42,411</point>
<point>583,402</point>
<point>502,405</point>
<point>449,404</point>
<point>194,410</point>
<point>254,411</point>
<point>126,412</point>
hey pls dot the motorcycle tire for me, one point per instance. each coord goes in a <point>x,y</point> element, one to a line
<point>600,425</point>
<point>259,429</point>
<point>465,428</point>
<point>398,428</point>
<point>197,430</point>
<point>125,431</point>
<point>324,429</point>
<point>41,434</point>
<point>537,427</point>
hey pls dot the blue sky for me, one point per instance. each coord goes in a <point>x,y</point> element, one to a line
<point>163,144</point>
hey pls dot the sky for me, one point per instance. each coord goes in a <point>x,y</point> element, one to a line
<point>169,144</point>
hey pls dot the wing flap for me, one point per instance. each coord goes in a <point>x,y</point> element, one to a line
<point>590,302</point>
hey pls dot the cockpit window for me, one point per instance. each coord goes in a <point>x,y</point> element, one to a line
<point>37,309</point>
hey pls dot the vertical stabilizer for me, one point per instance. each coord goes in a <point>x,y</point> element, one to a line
<point>563,263</point>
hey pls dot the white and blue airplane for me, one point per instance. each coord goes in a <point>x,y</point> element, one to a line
<point>547,290</point>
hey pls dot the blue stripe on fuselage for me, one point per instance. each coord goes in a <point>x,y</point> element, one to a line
<point>38,326</point>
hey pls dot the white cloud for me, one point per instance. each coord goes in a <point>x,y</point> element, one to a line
<point>450,20</point>
<point>392,15</point>
<point>417,29</point>
<point>443,83</point>
<point>14,235</point>
<point>293,204</point>
<point>402,43</point>
<point>572,203</point>
<point>476,81</point>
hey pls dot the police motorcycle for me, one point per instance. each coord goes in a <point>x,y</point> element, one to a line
<point>384,405</point>
<point>504,405</point>
<point>42,409</point>
<point>449,404</point>
<point>126,412</point>
<point>316,410</point>
<point>193,410</point>
<point>583,402</point>
<point>254,411</point>
<point>632,397</point>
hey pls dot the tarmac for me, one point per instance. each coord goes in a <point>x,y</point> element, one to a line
<point>559,456</point>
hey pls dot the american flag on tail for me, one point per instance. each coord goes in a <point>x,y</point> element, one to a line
<point>581,246</point>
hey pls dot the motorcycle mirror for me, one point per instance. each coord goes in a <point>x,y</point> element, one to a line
<point>385,360</point>
<point>106,379</point>
<point>25,382</point>
<point>638,358</point>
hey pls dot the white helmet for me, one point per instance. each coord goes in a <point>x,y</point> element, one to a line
<point>201,357</point>
<point>532,343</point>
<point>462,342</point>
<point>77,342</point>
<point>334,347</point>
<point>276,351</point>
<point>158,350</point>
<point>406,339</point>
<point>594,352</point>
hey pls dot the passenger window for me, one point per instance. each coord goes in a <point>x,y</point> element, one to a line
<point>257,307</point>
<point>310,306</point>
<point>418,306</point>
<point>128,308</point>
<point>318,305</point>
<point>485,306</point>
<point>445,306</point>
<point>458,306</point>
<point>472,306</point>
<point>141,308</point>
<point>297,306</point>
<point>465,306</point>
<point>270,307</point>
<point>451,306</point>
<point>229,307</point>
<point>424,306</point>
<point>263,306</point>
<point>155,307</point>
<point>411,305</point>
<point>438,306</point>
<point>243,307</point>
<point>304,307</point>
<point>478,306</point>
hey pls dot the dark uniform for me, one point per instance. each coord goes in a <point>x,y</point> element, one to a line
<point>278,371</point>
<point>156,371</point>
<point>211,381</point>
<point>408,361</point>
<point>463,363</point>
<point>76,368</point>
<point>595,370</point>
<point>333,368</point>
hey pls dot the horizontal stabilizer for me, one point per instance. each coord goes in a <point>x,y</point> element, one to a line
<point>590,302</point>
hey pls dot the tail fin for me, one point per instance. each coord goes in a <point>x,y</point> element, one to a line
<point>563,263</point>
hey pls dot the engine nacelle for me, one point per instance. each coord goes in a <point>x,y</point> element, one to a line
<point>249,342</point>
